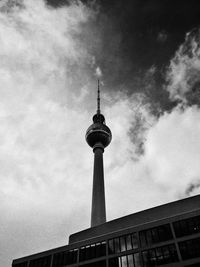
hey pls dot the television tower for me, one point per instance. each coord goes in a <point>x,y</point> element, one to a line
<point>98,136</point>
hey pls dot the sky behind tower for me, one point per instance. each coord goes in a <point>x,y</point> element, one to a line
<point>147,56</point>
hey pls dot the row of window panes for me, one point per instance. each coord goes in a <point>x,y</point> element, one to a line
<point>65,257</point>
<point>187,227</point>
<point>68,257</point>
<point>116,245</point>
<point>131,260</point>
<point>190,249</point>
<point>123,243</point>
<point>155,235</point>
<point>41,262</point>
<point>22,264</point>
<point>193,265</point>
<point>95,264</point>
<point>92,251</point>
<point>158,256</point>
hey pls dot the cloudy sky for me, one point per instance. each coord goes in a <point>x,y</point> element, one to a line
<point>147,54</point>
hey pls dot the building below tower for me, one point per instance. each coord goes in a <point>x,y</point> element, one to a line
<point>167,235</point>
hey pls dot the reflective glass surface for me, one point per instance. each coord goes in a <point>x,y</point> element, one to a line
<point>193,265</point>
<point>187,227</point>
<point>137,260</point>
<point>190,249</point>
<point>41,262</point>
<point>155,235</point>
<point>123,243</point>
<point>22,264</point>
<point>65,257</point>
<point>158,256</point>
<point>92,251</point>
<point>95,264</point>
<point>131,260</point>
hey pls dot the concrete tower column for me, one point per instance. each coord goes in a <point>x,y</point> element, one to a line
<point>98,215</point>
<point>98,136</point>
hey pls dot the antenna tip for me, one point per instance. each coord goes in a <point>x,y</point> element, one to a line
<point>98,99</point>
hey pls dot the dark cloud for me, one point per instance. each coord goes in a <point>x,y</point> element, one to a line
<point>128,37</point>
<point>162,37</point>
<point>192,187</point>
<point>137,35</point>
<point>184,71</point>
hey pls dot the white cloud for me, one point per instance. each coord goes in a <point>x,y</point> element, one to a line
<point>168,169</point>
<point>184,70</point>
<point>172,150</point>
<point>98,72</point>
<point>42,124</point>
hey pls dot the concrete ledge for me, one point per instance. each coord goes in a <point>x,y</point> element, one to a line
<point>153,214</point>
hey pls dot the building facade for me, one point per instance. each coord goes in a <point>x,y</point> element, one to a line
<point>167,235</point>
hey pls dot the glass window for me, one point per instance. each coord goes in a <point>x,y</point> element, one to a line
<point>187,227</point>
<point>100,249</point>
<point>143,240</point>
<point>123,243</point>
<point>124,261</point>
<point>65,257</point>
<point>135,240</point>
<point>137,260</point>
<point>193,265</point>
<point>128,242</point>
<point>131,260</point>
<point>159,253</point>
<point>41,262</point>
<point>111,248</point>
<point>115,262</point>
<point>149,237</point>
<point>164,233</point>
<point>145,257</point>
<point>152,255</point>
<point>159,256</point>
<point>82,256</point>
<point>116,245</point>
<point>95,264</point>
<point>22,264</point>
<point>92,251</point>
<point>190,249</point>
<point>155,235</point>
<point>166,253</point>
<point>191,225</point>
<point>72,256</point>
<point>87,252</point>
<point>172,253</point>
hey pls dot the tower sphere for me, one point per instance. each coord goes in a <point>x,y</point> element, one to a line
<point>98,132</point>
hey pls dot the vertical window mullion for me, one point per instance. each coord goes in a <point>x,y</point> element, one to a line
<point>125,242</point>
<point>114,246</point>
<point>131,239</point>
<point>120,247</point>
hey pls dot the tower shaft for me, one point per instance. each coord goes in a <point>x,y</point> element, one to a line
<point>98,215</point>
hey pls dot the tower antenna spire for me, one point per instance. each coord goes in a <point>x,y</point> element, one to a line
<point>98,99</point>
